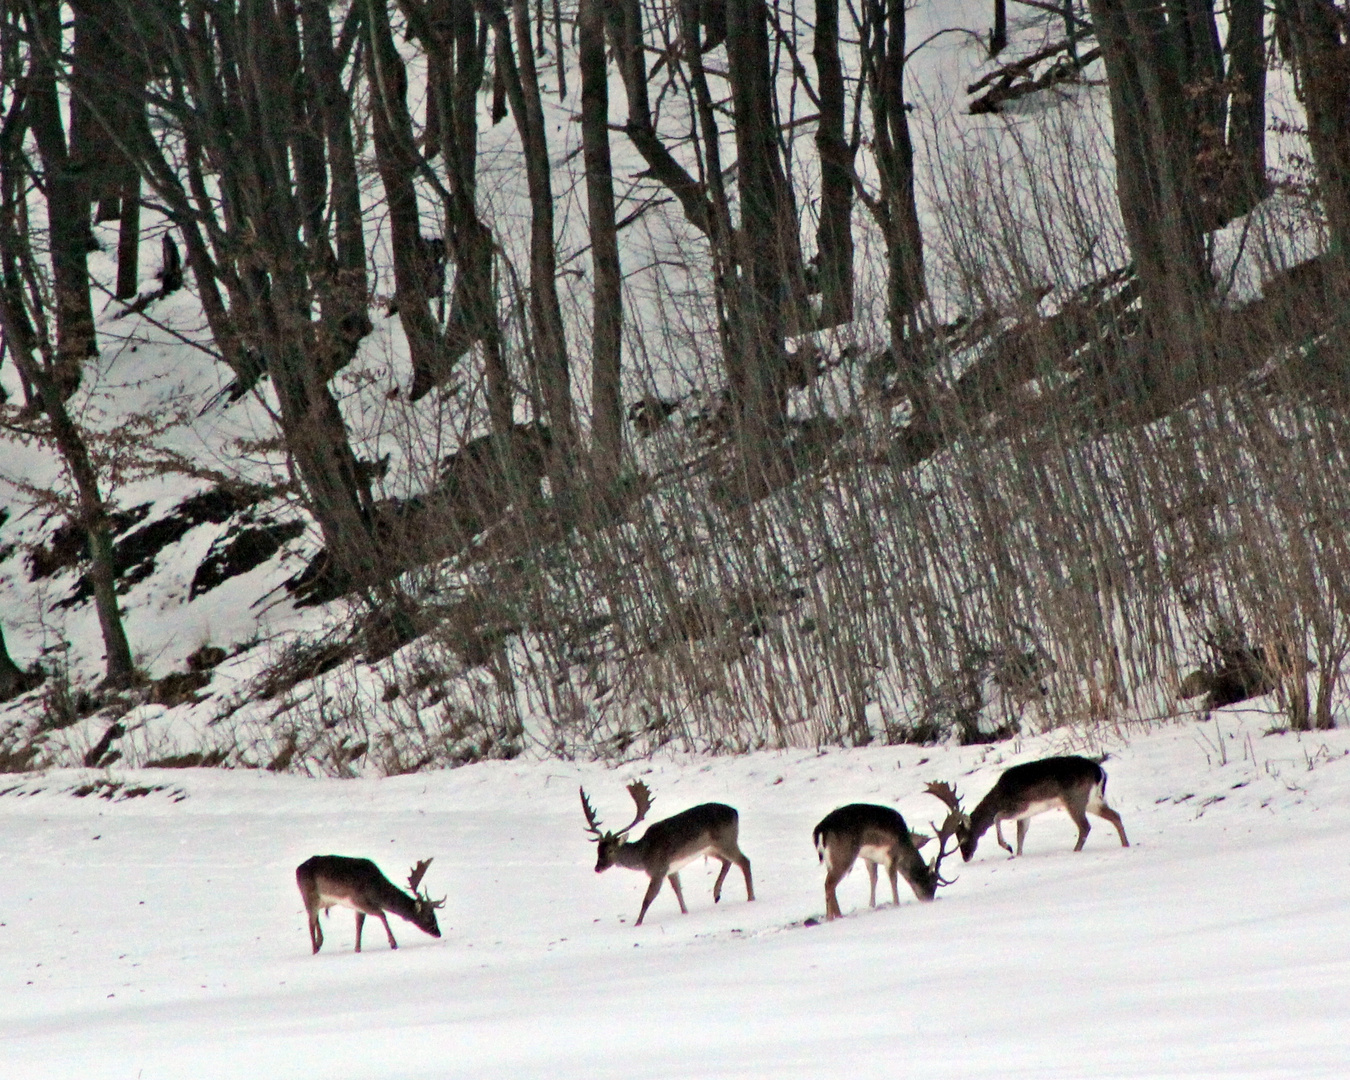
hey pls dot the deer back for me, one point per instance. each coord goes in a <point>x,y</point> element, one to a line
<point>670,843</point>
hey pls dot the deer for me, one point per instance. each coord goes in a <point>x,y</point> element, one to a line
<point>880,836</point>
<point>326,880</point>
<point>1023,791</point>
<point>668,845</point>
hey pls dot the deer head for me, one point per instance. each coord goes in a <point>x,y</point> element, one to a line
<point>609,842</point>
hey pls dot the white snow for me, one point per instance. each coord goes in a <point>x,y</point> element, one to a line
<point>162,936</point>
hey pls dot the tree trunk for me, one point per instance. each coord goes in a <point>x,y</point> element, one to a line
<point>884,63</point>
<point>834,234</point>
<point>548,343</point>
<point>456,45</point>
<point>398,161</point>
<point>68,206</point>
<point>625,26</point>
<point>1317,33</point>
<point>1159,199</point>
<point>1246,183</point>
<point>606,400</point>
<point>761,394</point>
<point>91,515</point>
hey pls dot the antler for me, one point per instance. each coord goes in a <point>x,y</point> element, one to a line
<point>947,794</point>
<point>642,798</point>
<point>946,832</point>
<point>415,879</point>
<point>955,821</point>
<point>418,873</point>
<point>592,822</point>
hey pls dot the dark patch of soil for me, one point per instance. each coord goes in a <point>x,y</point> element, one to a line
<point>304,661</point>
<point>100,753</point>
<point>207,657</point>
<point>241,549</point>
<point>134,554</point>
<point>196,760</point>
<point>178,688</point>
<point>116,791</point>
<point>69,544</point>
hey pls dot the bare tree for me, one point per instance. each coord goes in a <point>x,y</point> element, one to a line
<point>606,402</point>
<point>1159,193</point>
<point>883,48</point>
<point>547,340</point>
<point>258,153</point>
<point>1315,36</point>
<point>455,43</point>
<point>834,234</point>
<point>398,161</point>
<point>67,198</point>
<point>52,372</point>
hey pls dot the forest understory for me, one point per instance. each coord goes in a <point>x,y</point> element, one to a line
<point>710,404</point>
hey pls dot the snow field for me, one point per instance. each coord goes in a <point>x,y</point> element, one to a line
<point>148,938</point>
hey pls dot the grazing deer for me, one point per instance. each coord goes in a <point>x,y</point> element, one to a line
<point>666,846</point>
<point>326,880</point>
<point>1022,792</point>
<point>880,835</point>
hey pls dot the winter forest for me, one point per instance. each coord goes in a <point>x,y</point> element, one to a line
<point>722,376</point>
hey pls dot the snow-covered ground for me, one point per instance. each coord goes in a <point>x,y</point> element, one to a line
<point>161,936</point>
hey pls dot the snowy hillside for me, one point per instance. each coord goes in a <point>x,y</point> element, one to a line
<point>159,935</point>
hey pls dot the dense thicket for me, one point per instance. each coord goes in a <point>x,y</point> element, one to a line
<point>1104,460</point>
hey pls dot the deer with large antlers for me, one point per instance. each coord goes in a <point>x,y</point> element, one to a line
<point>668,845</point>
<point>880,836</point>
<point>329,880</point>
<point>1075,783</point>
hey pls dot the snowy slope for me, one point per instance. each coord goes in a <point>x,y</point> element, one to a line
<point>161,936</point>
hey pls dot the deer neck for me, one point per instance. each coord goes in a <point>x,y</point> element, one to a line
<point>631,854</point>
<point>982,817</point>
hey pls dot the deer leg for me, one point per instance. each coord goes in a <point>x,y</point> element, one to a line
<point>872,881</point>
<point>360,925</point>
<point>717,886</point>
<point>679,893</point>
<point>652,890</point>
<point>894,872</point>
<point>1023,824</point>
<point>998,832</point>
<point>1107,814</point>
<point>388,933</point>
<point>744,864</point>
<point>832,879</point>
<point>315,931</point>
<point>1076,811</point>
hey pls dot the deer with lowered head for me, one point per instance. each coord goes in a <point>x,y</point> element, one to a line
<point>668,845</point>
<point>329,880</point>
<point>1075,783</point>
<point>880,836</point>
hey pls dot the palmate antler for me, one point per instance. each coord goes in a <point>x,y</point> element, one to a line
<point>956,821</point>
<point>642,799</point>
<point>419,871</point>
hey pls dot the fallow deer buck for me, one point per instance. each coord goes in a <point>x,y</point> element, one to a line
<point>880,835</point>
<point>328,880</point>
<point>668,845</point>
<point>1075,783</point>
